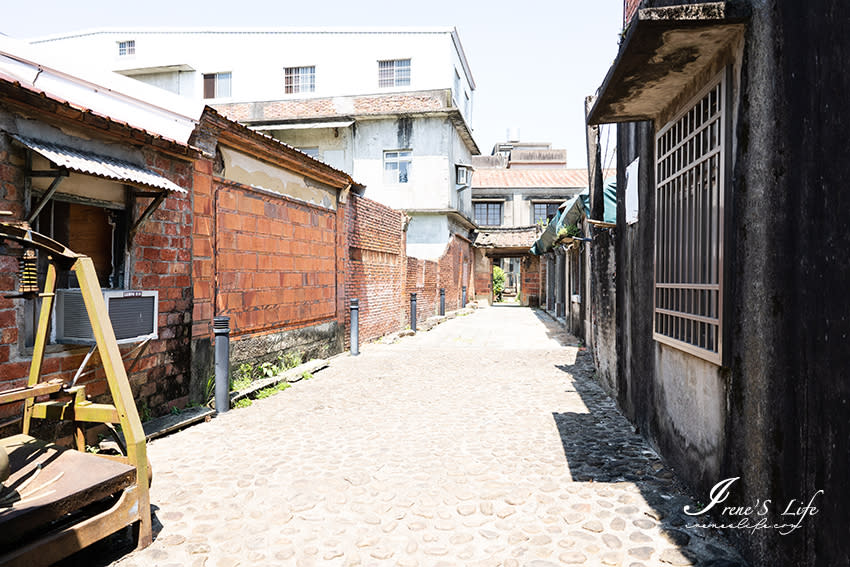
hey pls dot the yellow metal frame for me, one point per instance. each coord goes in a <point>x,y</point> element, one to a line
<point>135,502</point>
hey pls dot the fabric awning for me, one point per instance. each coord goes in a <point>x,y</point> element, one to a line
<point>664,50</point>
<point>99,165</point>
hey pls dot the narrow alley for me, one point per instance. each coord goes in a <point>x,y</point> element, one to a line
<point>484,441</point>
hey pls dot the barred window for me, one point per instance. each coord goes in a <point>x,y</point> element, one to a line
<point>299,79</point>
<point>394,73</point>
<point>488,214</point>
<point>689,202</point>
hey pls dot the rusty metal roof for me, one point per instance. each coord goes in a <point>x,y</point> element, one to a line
<point>99,165</point>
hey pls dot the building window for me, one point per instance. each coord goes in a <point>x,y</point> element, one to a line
<point>689,203</point>
<point>394,73</point>
<point>397,166</point>
<point>217,85</point>
<point>299,79</point>
<point>544,212</point>
<point>126,48</point>
<point>488,214</point>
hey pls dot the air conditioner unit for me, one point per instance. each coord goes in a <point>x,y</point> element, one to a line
<point>133,313</point>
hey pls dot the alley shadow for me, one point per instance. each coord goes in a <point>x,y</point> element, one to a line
<point>554,330</point>
<point>601,446</point>
<point>112,548</point>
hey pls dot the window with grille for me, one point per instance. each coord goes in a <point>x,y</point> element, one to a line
<point>488,214</point>
<point>544,212</point>
<point>397,166</point>
<point>127,47</point>
<point>299,79</point>
<point>394,73</point>
<point>689,201</point>
<point>217,85</point>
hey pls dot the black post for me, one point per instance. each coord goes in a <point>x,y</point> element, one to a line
<point>443,301</point>
<point>463,297</point>
<point>413,312</point>
<point>355,327</point>
<point>221,330</point>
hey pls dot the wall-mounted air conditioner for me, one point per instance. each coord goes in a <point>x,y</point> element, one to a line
<point>133,313</point>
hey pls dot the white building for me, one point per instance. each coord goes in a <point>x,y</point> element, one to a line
<point>390,107</point>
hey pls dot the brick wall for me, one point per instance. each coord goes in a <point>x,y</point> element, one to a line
<point>276,260</point>
<point>530,275</point>
<point>159,259</point>
<point>377,267</point>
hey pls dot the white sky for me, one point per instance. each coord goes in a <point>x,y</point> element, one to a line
<point>533,61</point>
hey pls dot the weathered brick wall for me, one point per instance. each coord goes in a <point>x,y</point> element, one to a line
<point>423,278</point>
<point>530,281</point>
<point>377,267</point>
<point>455,272</point>
<point>275,264</point>
<point>159,259</point>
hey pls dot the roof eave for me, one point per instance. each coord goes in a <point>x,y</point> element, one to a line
<point>663,52</point>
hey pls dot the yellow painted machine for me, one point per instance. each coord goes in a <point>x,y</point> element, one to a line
<point>56,501</point>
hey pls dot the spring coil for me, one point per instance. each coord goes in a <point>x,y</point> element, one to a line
<point>29,272</point>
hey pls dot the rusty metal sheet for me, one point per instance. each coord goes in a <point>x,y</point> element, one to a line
<point>99,165</point>
<point>48,482</point>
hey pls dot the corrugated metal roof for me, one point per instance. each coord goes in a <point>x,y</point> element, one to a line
<point>530,178</point>
<point>99,165</point>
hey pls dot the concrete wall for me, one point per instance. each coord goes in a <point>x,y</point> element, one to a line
<point>346,63</point>
<point>774,413</point>
<point>335,145</point>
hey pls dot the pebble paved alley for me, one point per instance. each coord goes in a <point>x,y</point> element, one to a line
<point>484,441</point>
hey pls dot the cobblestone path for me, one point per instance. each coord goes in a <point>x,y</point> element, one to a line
<point>482,442</point>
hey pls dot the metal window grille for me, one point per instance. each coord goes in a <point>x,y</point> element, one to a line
<point>397,166</point>
<point>488,214</point>
<point>690,172</point>
<point>394,73</point>
<point>299,79</point>
<point>127,47</point>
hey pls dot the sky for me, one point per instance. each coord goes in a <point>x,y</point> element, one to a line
<point>534,62</point>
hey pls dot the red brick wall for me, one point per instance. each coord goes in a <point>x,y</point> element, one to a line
<point>451,272</point>
<point>377,267</point>
<point>530,275</point>
<point>159,259</point>
<point>276,261</point>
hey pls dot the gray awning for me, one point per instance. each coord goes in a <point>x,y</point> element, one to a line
<point>663,51</point>
<point>99,165</point>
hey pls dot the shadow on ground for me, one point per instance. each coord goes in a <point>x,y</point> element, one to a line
<point>601,446</point>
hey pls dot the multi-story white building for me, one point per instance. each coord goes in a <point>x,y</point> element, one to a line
<point>390,107</point>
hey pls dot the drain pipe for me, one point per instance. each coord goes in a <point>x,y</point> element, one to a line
<point>413,312</point>
<point>221,329</point>
<point>355,327</point>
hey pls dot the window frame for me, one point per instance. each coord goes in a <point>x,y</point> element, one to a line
<point>693,246</point>
<point>293,79</point>
<point>487,205</point>
<point>126,48</point>
<point>398,159</point>
<point>547,204</point>
<point>394,75</point>
<point>216,86</point>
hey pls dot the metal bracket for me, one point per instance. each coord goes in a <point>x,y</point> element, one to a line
<point>47,196</point>
<point>158,199</point>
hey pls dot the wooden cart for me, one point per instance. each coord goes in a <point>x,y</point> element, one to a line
<point>56,500</point>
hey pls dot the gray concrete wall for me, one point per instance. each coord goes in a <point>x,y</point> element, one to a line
<point>775,414</point>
